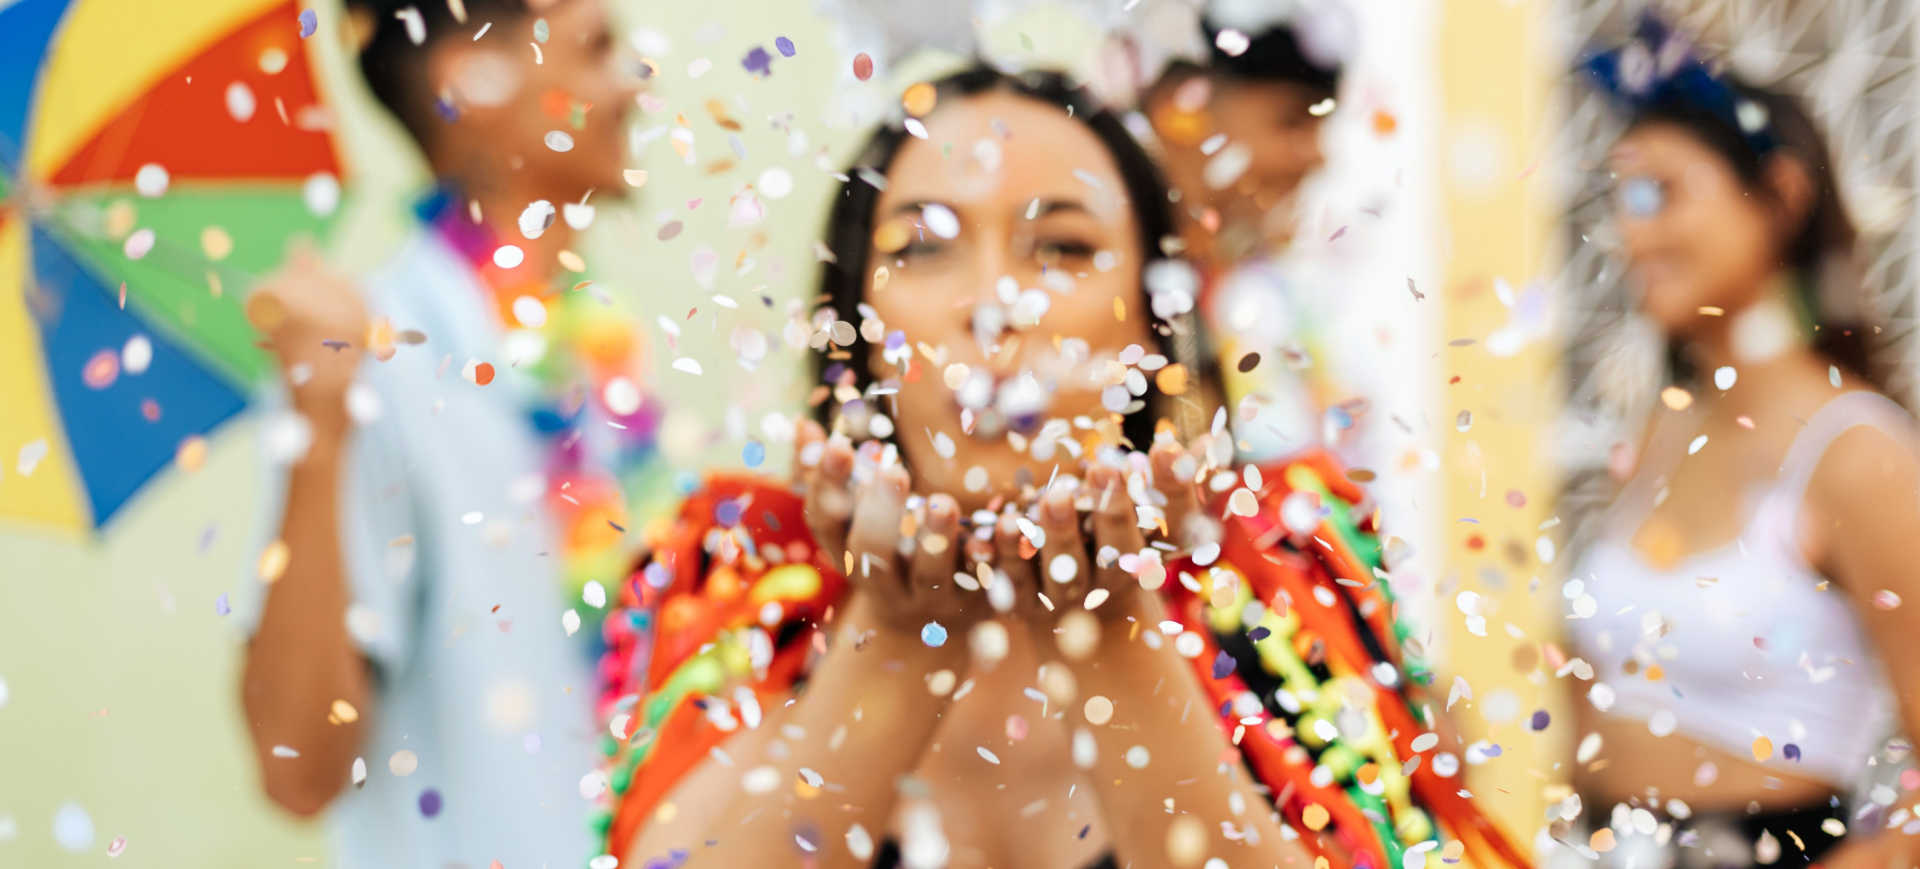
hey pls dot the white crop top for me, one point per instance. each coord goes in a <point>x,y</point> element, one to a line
<point>1746,642</point>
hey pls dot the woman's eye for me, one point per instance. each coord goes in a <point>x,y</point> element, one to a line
<point>1642,197</point>
<point>1057,250</point>
<point>922,247</point>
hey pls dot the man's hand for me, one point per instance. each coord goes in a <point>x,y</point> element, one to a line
<point>315,321</point>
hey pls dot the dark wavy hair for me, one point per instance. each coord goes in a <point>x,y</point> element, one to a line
<point>1820,252</point>
<point>851,223</point>
<point>395,69</point>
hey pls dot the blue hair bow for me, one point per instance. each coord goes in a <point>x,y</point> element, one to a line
<point>1658,68</point>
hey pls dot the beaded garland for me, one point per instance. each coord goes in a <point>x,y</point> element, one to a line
<point>590,350</point>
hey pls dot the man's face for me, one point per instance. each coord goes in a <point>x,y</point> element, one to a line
<point>555,112</point>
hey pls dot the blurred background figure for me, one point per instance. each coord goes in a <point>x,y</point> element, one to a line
<point>1234,96</point>
<point>1737,610</point>
<point>437,438</point>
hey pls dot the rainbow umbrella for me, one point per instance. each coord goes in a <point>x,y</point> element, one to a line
<point>157,158</point>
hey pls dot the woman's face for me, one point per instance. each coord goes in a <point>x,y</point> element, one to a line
<point>1696,235</point>
<point>1007,255</point>
<point>1242,147</point>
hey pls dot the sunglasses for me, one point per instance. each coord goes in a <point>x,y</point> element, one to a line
<point>1640,197</point>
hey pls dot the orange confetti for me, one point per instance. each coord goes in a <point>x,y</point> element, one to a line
<point>1384,123</point>
<point>483,374</point>
<point>1762,749</point>
<point>191,454</point>
<point>1601,840</point>
<point>380,338</point>
<point>273,560</point>
<point>1172,379</point>
<point>1315,816</point>
<point>919,99</point>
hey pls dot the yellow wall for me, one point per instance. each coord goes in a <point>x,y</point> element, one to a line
<point>1498,223</point>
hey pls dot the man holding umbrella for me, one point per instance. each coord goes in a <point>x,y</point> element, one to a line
<point>411,671</point>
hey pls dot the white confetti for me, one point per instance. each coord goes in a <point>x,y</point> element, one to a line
<point>136,355</point>
<point>31,453</point>
<point>321,193</point>
<point>559,141</point>
<point>986,755</point>
<point>570,622</point>
<point>73,827</point>
<point>151,180</point>
<point>240,101</point>
<point>138,244</point>
<point>594,594</point>
<point>509,256</point>
<point>686,364</point>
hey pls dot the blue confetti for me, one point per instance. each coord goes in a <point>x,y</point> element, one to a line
<point>1540,720</point>
<point>784,45</point>
<point>758,61</point>
<point>1222,665</point>
<point>1258,634</point>
<point>933,635</point>
<point>430,802</point>
<point>753,454</point>
<point>1790,752</point>
<point>727,513</point>
<point>657,575</point>
<point>309,23</point>
<point>220,606</point>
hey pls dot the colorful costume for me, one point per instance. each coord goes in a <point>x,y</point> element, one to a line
<point>725,613</point>
<point>590,362</point>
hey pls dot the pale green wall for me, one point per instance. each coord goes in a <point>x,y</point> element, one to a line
<point>120,677</point>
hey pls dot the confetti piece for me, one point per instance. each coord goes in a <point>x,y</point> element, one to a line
<point>933,634</point>
<point>986,755</point>
<point>286,751</point>
<point>1186,841</point>
<point>1248,363</point>
<point>1601,840</point>
<point>1724,377</point>
<point>117,847</point>
<point>1315,817</point>
<point>402,763</point>
<point>430,803</point>
<point>481,374</point>
<point>1539,721</point>
<point>758,61</point>
<point>1762,749</point>
<point>1886,599</point>
<point>686,365</point>
<point>918,99</point>
<point>1676,398</point>
<point>220,606</point>
<point>274,560</point>
<point>309,22</point>
<point>784,46</point>
<point>101,370</point>
<point>73,827</point>
<point>862,66</point>
<point>1098,710</point>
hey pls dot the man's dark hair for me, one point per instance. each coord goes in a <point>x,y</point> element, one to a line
<point>395,68</point>
<point>1272,55</point>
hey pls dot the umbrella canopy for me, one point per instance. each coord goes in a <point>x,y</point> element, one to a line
<point>157,157</point>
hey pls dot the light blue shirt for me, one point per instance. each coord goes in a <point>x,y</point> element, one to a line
<point>483,703</point>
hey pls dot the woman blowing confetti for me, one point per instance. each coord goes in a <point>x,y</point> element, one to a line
<point>1007,616</point>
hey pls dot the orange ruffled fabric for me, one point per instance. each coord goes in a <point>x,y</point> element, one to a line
<point>737,578</point>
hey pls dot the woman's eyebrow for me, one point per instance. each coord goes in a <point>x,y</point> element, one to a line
<point>918,205</point>
<point>1039,208</point>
